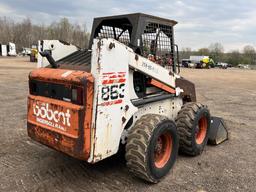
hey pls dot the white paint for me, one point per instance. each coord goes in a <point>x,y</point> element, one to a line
<point>108,127</point>
<point>58,49</point>
<point>168,107</point>
<point>67,73</point>
<point>178,91</point>
<point>4,50</point>
<point>151,69</point>
<point>47,116</point>
<point>108,119</point>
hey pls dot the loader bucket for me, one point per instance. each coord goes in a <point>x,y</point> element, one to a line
<point>218,132</point>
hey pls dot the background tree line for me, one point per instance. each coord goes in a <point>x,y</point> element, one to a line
<point>216,52</point>
<point>26,34</point>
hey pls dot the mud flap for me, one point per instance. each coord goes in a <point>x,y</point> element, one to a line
<point>218,131</point>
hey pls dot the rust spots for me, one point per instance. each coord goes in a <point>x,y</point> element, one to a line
<point>72,136</point>
<point>59,75</point>
<point>123,120</point>
<point>136,57</point>
<point>171,73</point>
<point>118,101</point>
<point>97,157</point>
<point>56,141</point>
<point>111,45</point>
<point>99,44</point>
<point>126,108</point>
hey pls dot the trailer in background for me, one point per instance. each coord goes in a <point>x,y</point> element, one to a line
<point>11,49</point>
<point>8,50</point>
<point>3,50</point>
<point>197,59</point>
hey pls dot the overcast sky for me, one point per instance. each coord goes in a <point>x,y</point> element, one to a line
<point>200,22</point>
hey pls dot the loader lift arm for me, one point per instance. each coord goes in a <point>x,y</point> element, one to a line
<point>161,77</point>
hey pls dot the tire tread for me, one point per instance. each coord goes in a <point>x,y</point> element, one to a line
<point>139,138</point>
<point>184,122</point>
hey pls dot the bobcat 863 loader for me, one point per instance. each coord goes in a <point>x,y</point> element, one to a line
<point>124,90</point>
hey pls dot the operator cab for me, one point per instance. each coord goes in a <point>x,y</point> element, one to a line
<point>149,36</point>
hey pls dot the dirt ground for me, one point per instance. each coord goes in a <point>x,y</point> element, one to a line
<point>28,166</point>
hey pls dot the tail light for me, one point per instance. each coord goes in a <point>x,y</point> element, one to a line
<point>77,95</point>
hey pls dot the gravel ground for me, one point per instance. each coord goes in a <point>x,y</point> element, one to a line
<point>28,166</point>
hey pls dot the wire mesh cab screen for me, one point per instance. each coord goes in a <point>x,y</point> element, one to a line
<point>149,36</point>
<point>116,33</point>
<point>119,29</point>
<point>157,43</point>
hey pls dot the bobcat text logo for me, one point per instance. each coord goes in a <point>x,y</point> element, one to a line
<point>51,117</point>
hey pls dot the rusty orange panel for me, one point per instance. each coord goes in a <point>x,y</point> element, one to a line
<point>41,112</point>
<point>162,86</point>
<point>88,116</point>
<point>60,75</point>
<point>58,124</point>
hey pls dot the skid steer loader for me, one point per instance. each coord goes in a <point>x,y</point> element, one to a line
<point>124,90</point>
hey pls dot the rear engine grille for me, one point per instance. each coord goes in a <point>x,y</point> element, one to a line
<point>62,92</point>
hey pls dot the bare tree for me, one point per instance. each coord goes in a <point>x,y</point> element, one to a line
<point>250,54</point>
<point>185,53</point>
<point>216,51</point>
<point>22,35</point>
<point>26,34</point>
<point>233,57</point>
<point>204,51</point>
<point>6,30</point>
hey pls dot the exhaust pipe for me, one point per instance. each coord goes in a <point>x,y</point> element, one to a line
<point>48,56</point>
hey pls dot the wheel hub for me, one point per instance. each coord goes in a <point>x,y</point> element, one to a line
<point>163,149</point>
<point>201,130</point>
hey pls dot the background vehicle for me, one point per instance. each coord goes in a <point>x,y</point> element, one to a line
<point>243,66</point>
<point>124,90</point>
<point>222,65</point>
<point>11,49</point>
<point>34,54</point>
<point>203,62</point>
<point>185,62</point>
<point>25,51</point>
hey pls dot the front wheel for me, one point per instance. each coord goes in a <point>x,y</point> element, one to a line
<point>152,147</point>
<point>193,125</point>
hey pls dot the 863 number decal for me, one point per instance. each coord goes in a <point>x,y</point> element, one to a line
<point>112,92</point>
<point>113,87</point>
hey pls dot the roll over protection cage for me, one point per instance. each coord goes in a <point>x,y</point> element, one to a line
<point>145,34</point>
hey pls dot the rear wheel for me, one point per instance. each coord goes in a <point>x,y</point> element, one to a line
<point>152,147</point>
<point>193,124</point>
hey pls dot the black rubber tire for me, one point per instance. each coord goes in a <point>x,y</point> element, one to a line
<point>187,121</point>
<point>140,147</point>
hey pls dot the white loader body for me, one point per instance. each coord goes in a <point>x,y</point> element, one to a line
<point>113,64</point>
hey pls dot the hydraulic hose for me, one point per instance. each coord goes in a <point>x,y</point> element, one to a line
<point>49,57</point>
